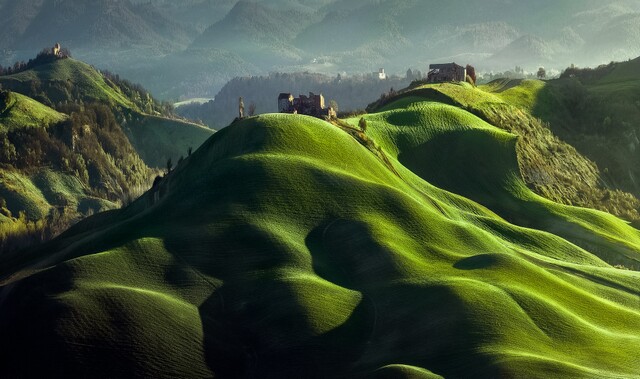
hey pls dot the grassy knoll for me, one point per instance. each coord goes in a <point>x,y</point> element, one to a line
<point>158,139</point>
<point>18,111</point>
<point>284,247</point>
<point>66,79</point>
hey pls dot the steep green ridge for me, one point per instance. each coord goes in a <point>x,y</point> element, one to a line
<point>70,81</point>
<point>18,111</point>
<point>284,248</point>
<point>550,166</point>
<point>594,110</point>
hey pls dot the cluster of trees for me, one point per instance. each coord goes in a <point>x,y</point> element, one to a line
<point>90,145</point>
<point>588,74</point>
<point>139,95</point>
<point>44,57</point>
<point>261,93</point>
<point>23,233</point>
<point>517,73</point>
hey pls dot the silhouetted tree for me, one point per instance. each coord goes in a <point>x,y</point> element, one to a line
<point>189,151</point>
<point>363,125</point>
<point>542,73</point>
<point>252,109</point>
<point>334,104</point>
<point>471,72</point>
<point>169,166</point>
<point>409,74</point>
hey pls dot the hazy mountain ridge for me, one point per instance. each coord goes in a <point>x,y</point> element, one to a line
<point>294,35</point>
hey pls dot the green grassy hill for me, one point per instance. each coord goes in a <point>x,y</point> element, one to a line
<point>99,148</point>
<point>17,111</point>
<point>550,165</point>
<point>67,81</point>
<point>32,181</point>
<point>594,110</point>
<point>285,247</point>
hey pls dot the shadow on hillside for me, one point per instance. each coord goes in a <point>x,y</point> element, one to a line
<point>257,324</point>
<point>600,123</point>
<point>259,330</point>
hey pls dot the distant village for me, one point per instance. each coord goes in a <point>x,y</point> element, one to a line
<point>314,105</point>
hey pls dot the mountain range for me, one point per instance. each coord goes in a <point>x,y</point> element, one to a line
<point>210,42</point>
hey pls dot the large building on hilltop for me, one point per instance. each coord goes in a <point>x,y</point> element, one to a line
<point>312,105</point>
<point>447,72</point>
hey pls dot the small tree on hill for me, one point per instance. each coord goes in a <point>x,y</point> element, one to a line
<point>169,166</point>
<point>334,104</point>
<point>363,125</point>
<point>252,109</point>
<point>471,73</point>
<point>542,73</point>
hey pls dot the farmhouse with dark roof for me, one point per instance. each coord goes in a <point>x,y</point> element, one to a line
<point>448,72</point>
<point>312,105</point>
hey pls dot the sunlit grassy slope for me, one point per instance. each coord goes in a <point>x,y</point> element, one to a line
<point>79,79</point>
<point>18,111</point>
<point>285,248</point>
<point>36,193</point>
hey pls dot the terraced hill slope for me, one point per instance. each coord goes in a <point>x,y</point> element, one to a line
<point>288,247</point>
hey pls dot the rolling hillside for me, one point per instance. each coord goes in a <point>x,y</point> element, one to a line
<point>18,111</point>
<point>101,146</point>
<point>67,80</point>
<point>594,110</point>
<point>287,247</point>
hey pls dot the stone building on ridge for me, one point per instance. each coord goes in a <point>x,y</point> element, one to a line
<point>312,105</point>
<point>447,72</point>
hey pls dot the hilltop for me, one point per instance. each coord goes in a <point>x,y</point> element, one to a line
<point>550,163</point>
<point>286,246</point>
<point>350,93</point>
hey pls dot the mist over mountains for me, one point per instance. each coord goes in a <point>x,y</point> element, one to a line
<point>191,48</point>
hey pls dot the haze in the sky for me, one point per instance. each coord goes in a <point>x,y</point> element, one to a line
<point>191,48</point>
